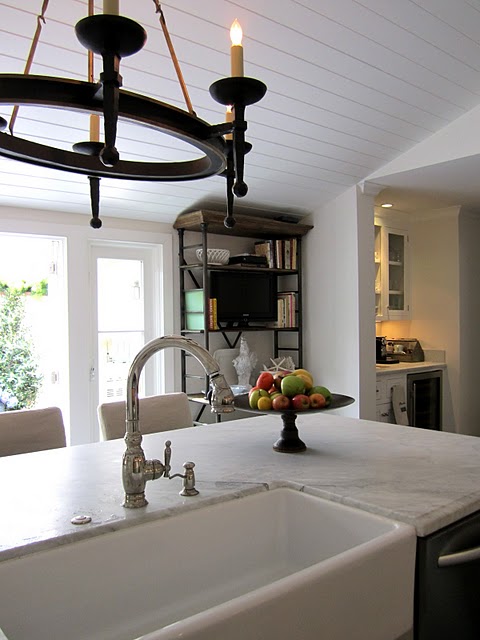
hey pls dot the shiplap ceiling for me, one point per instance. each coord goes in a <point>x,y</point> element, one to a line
<point>351,85</point>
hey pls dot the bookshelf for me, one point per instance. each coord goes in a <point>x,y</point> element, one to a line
<point>282,241</point>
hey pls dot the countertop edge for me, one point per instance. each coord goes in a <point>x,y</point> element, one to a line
<point>409,367</point>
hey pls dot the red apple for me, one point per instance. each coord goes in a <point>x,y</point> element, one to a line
<point>323,390</point>
<point>300,402</point>
<point>277,379</point>
<point>317,401</point>
<point>264,380</point>
<point>280,403</point>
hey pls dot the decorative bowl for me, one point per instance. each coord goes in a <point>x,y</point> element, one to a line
<point>289,441</point>
<point>215,256</point>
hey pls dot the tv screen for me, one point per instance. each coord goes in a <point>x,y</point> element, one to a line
<point>244,297</point>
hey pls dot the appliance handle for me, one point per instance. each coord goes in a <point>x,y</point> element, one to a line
<point>460,557</point>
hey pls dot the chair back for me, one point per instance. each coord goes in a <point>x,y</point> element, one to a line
<point>28,430</point>
<point>156,413</point>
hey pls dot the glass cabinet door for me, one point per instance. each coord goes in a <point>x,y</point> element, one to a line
<point>379,305</point>
<point>396,242</point>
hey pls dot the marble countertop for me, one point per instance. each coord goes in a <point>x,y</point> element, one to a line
<point>424,478</point>
<point>409,367</point>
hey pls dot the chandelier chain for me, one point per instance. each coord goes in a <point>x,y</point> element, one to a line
<point>28,65</point>
<point>173,56</point>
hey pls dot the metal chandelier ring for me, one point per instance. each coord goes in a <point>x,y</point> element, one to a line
<point>45,91</point>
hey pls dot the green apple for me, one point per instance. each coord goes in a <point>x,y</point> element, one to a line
<point>292,385</point>
<point>255,396</point>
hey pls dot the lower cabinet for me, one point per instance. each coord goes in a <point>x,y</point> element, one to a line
<point>418,395</point>
<point>385,413</point>
<point>385,385</point>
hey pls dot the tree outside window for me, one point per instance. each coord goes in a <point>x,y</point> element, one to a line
<point>20,380</point>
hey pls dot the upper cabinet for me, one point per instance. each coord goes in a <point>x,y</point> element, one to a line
<point>379,304</point>
<point>391,274</point>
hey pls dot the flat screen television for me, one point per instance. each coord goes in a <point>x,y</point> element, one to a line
<point>244,297</point>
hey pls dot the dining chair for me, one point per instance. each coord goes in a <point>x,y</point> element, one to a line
<point>156,413</point>
<point>28,430</point>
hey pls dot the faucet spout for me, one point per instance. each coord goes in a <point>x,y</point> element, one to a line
<point>136,470</point>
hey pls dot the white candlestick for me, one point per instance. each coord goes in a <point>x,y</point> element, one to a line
<point>236,50</point>
<point>229,118</point>
<point>111,7</point>
<point>94,128</point>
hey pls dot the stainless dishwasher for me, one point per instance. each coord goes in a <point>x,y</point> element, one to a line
<point>447,583</point>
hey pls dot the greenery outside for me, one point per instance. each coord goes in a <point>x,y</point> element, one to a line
<point>20,380</point>
<point>36,289</point>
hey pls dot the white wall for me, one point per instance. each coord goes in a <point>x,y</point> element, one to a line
<point>77,231</point>
<point>469,322</point>
<point>339,300</point>
<point>435,286</point>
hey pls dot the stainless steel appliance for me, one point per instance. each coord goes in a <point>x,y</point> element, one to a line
<point>424,399</point>
<point>447,579</point>
<point>381,352</point>
<point>405,349</point>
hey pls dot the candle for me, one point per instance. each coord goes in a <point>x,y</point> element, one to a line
<point>111,7</point>
<point>94,127</point>
<point>229,118</point>
<point>236,50</point>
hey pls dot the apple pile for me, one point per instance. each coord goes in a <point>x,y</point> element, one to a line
<point>288,390</point>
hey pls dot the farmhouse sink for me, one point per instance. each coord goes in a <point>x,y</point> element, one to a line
<point>276,564</point>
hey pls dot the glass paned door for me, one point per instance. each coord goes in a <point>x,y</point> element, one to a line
<point>128,313</point>
<point>121,323</point>
<point>33,266</point>
<point>396,272</point>
<point>379,303</point>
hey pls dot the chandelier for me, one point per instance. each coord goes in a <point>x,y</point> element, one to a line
<point>113,37</point>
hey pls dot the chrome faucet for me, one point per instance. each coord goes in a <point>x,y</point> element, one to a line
<point>136,469</point>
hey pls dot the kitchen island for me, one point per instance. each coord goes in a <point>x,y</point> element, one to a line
<point>397,472</point>
<point>416,476</point>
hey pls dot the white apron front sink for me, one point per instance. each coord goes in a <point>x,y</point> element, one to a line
<point>278,564</point>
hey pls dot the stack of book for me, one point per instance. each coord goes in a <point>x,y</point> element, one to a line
<point>212,314</point>
<point>280,254</point>
<point>194,311</point>
<point>286,305</point>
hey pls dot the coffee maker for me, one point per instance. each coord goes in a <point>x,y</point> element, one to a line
<point>382,354</point>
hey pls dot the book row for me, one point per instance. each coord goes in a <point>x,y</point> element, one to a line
<point>280,254</point>
<point>286,308</point>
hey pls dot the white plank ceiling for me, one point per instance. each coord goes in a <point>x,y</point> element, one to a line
<point>351,85</point>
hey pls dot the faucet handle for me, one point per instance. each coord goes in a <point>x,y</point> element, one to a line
<point>167,458</point>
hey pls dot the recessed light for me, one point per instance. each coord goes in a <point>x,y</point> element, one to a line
<point>386,205</point>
